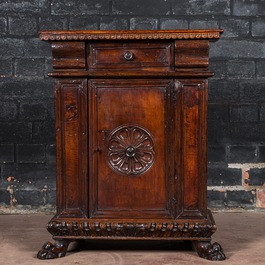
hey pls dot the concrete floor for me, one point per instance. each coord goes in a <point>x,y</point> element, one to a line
<point>242,236</point>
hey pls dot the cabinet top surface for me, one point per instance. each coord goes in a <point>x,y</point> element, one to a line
<point>66,35</point>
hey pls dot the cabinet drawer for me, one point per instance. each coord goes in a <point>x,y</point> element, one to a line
<point>131,55</point>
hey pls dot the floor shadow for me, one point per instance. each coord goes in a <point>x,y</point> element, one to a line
<point>132,245</point>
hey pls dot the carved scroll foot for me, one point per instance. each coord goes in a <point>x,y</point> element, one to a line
<point>209,251</point>
<point>54,250</point>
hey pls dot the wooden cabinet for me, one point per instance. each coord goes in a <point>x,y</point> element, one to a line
<point>131,136</point>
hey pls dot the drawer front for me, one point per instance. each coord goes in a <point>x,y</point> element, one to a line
<point>131,55</point>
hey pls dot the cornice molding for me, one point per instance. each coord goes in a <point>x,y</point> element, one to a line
<point>129,35</point>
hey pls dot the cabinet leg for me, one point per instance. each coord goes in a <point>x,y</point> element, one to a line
<point>209,251</point>
<point>54,250</point>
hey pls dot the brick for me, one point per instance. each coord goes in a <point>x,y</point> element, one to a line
<point>50,111</point>
<point>252,91</point>
<point>257,29</point>
<point>11,47</point>
<point>51,197</point>
<point>204,24</point>
<point>5,67</point>
<point>242,154</point>
<point>4,197</point>
<point>212,133</point>
<point>30,175</point>
<point>217,153</point>
<point>3,25</point>
<point>223,91</point>
<point>248,7</point>
<point>201,7</point>
<point>240,133</point>
<point>35,48</point>
<point>261,153</point>
<point>221,175</point>
<point>260,66</point>
<point>139,7</point>
<point>27,89</point>
<point>33,111</point>
<point>7,153</point>
<point>30,67</point>
<point>51,154</point>
<point>218,112</point>
<point>219,68</point>
<point>44,132</point>
<point>18,6</point>
<point>53,22</point>
<point>44,7</point>
<point>225,48</point>
<point>84,7</point>
<point>29,197</point>
<point>15,132</point>
<point>84,23</point>
<point>215,198</point>
<point>260,198</point>
<point>108,23</point>
<point>235,27</point>
<point>143,23</point>
<point>240,198</point>
<point>23,25</point>
<point>241,69</point>
<point>8,111</point>
<point>244,113</point>
<point>30,153</point>
<point>48,64</point>
<point>173,24</point>
<point>256,177</point>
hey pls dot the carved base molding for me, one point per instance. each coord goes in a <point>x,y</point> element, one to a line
<point>89,228</point>
<point>119,230</point>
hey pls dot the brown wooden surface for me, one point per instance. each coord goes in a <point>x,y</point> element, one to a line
<point>144,55</point>
<point>115,106</point>
<point>131,126</point>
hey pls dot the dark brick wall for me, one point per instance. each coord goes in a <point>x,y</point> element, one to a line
<point>236,93</point>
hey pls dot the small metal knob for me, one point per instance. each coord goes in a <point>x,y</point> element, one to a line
<point>130,151</point>
<point>128,56</point>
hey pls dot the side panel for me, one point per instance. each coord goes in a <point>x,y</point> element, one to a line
<point>191,143</point>
<point>71,135</point>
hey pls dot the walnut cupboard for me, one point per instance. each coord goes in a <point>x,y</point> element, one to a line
<point>131,137</point>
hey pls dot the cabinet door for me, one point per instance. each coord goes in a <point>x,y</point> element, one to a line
<point>130,142</point>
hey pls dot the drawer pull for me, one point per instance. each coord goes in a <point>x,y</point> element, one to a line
<point>128,56</point>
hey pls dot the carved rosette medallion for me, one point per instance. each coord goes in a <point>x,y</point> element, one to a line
<point>130,150</point>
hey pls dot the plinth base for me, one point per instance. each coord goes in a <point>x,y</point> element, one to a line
<point>66,230</point>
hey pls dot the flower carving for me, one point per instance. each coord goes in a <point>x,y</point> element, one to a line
<point>130,150</point>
